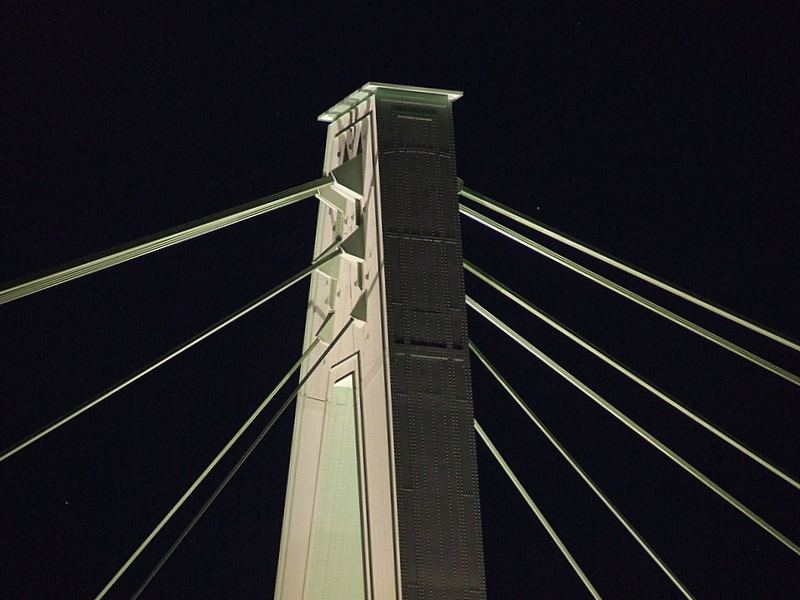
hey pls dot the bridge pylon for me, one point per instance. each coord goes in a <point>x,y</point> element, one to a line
<point>382,496</point>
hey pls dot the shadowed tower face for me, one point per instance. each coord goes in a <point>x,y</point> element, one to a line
<point>382,498</point>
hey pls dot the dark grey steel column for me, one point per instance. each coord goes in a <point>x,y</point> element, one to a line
<point>441,548</point>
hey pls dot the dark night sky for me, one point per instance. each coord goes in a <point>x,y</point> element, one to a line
<point>668,138</point>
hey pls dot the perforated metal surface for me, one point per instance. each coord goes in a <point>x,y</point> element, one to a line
<point>440,542</point>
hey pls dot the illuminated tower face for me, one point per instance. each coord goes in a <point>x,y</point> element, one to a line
<point>382,498</point>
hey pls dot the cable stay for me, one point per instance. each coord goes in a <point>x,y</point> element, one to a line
<point>634,297</point>
<point>635,427</point>
<point>216,493</point>
<point>536,510</point>
<point>329,254</point>
<point>159,241</point>
<point>553,233</point>
<point>200,478</point>
<point>579,470</point>
<point>519,300</point>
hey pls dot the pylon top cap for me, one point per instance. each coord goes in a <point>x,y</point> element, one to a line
<point>369,89</point>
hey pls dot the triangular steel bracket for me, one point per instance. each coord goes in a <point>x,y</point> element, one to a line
<point>325,332</point>
<point>353,246</point>
<point>330,268</point>
<point>359,312</point>
<point>349,178</point>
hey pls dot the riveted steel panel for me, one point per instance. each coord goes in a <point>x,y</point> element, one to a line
<point>439,531</point>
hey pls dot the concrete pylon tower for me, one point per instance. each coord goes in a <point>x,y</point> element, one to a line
<point>382,498</point>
